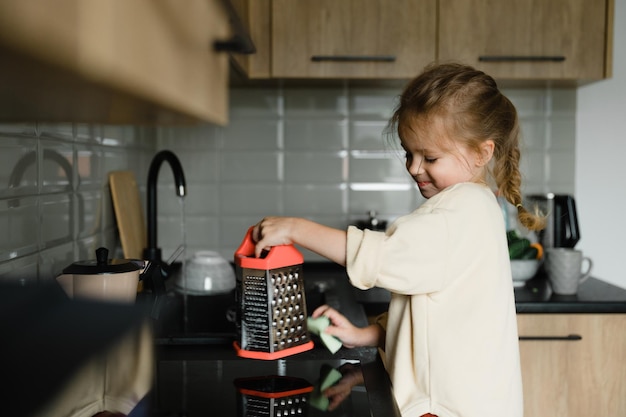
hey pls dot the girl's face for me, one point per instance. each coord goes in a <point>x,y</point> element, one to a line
<point>436,161</point>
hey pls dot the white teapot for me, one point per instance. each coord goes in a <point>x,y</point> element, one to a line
<point>114,280</point>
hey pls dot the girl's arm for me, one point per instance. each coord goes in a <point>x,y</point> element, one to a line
<point>323,240</point>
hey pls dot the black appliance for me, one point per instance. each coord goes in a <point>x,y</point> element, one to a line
<point>562,230</point>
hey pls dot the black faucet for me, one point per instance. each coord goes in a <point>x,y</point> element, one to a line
<point>152,253</point>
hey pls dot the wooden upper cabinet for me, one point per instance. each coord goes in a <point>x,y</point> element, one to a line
<point>529,39</point>
<point>113,61</point>
<point>357,39</point>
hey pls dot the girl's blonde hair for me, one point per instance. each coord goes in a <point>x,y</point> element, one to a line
<point>477,111</point>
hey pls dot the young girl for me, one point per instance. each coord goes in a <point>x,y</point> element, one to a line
<point>450,340</point>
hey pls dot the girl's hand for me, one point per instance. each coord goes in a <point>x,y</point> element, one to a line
<point>273,231</point>
<point>350,335</point>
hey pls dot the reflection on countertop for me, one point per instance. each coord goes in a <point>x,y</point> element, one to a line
<point>195,376</point>
<point>236,386</point>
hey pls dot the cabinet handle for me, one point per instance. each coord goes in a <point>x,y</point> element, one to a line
<point>568,338</point>
<point>353,58</point>
<point>236,44</point>
<point>521,58</point>
<point>240,42</point>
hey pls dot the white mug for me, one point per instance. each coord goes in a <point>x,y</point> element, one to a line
<point>564,269</point>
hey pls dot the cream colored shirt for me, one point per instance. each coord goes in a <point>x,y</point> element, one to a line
<point>451,343</point>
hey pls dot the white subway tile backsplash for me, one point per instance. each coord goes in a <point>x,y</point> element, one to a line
<point>53,260</point>
<point>202,233</point>
<point>563,101</point>
<point>56,204</point>
<point>202,199</point>
<point>205,166</point>
<point>19,129</point>
<point>307,200</point>
<point>375,103</point>
<point>315,134</point>
<point>113,159</point>
<point>251,167</point>
<point>528,102</point>
<point>171,236</point>
<point>195,138</point>
<point>85,249</point>
<point>119,136</point>
<point>23,270</point>
<point>106,211</point>
<point>254,103</point>
<point>533,165</point>
<point>377,167</point>
<point>387,203</point>
<point>57,167</point>
<point>562,134</point>
<point>320,153</point>
<point>55,212</point>
<point>314,103</point>
<point>88,162</point>
<point>169,204</point>
<point>251,199</point>
<point>85,133</point>
<point>561,165</point>
<point>315,167</point>
<point>19,235</point>
<point>368,135</point>
<point>533,133</point>
<point>232,231</point>
<point>324,154</point>
<point>18,166</point>
<point>251,134</point>
<point>87,210</point>
<point>64,131</point>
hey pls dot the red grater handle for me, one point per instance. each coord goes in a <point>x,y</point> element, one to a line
<point>277,257</point>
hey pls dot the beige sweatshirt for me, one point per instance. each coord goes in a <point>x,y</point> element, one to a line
<point>452,343</point>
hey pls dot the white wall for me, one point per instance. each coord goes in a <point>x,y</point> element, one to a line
<point>601,164</point>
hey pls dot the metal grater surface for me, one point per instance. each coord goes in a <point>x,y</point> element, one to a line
<point>293,405</point>
<point>273,309</point>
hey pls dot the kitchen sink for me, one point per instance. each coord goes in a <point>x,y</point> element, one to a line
<point>210,319</point>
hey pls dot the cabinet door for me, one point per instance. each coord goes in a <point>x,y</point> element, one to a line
<point>255,17</point>
<point>527,39</point>
<point>573,364</point>
<point>114,61</point>
<point>352,38</point>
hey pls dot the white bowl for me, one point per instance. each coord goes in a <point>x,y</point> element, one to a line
<point>206,273</point>
<point>523,270</point>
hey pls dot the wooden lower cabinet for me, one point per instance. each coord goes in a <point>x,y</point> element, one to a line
<point>573,364</point>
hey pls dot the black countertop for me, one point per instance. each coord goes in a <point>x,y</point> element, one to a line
<point>593,296</point>
<point>536,297</point>
<point>192,365</point>
<point>196,371</point>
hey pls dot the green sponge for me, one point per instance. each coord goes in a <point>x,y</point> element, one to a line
<point>317,326</point>
<point>329,376</point>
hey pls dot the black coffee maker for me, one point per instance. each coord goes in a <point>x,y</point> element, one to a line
<point>562,229</point>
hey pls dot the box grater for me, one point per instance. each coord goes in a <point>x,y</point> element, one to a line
<point>272,396</point>
<point>271,304</point>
